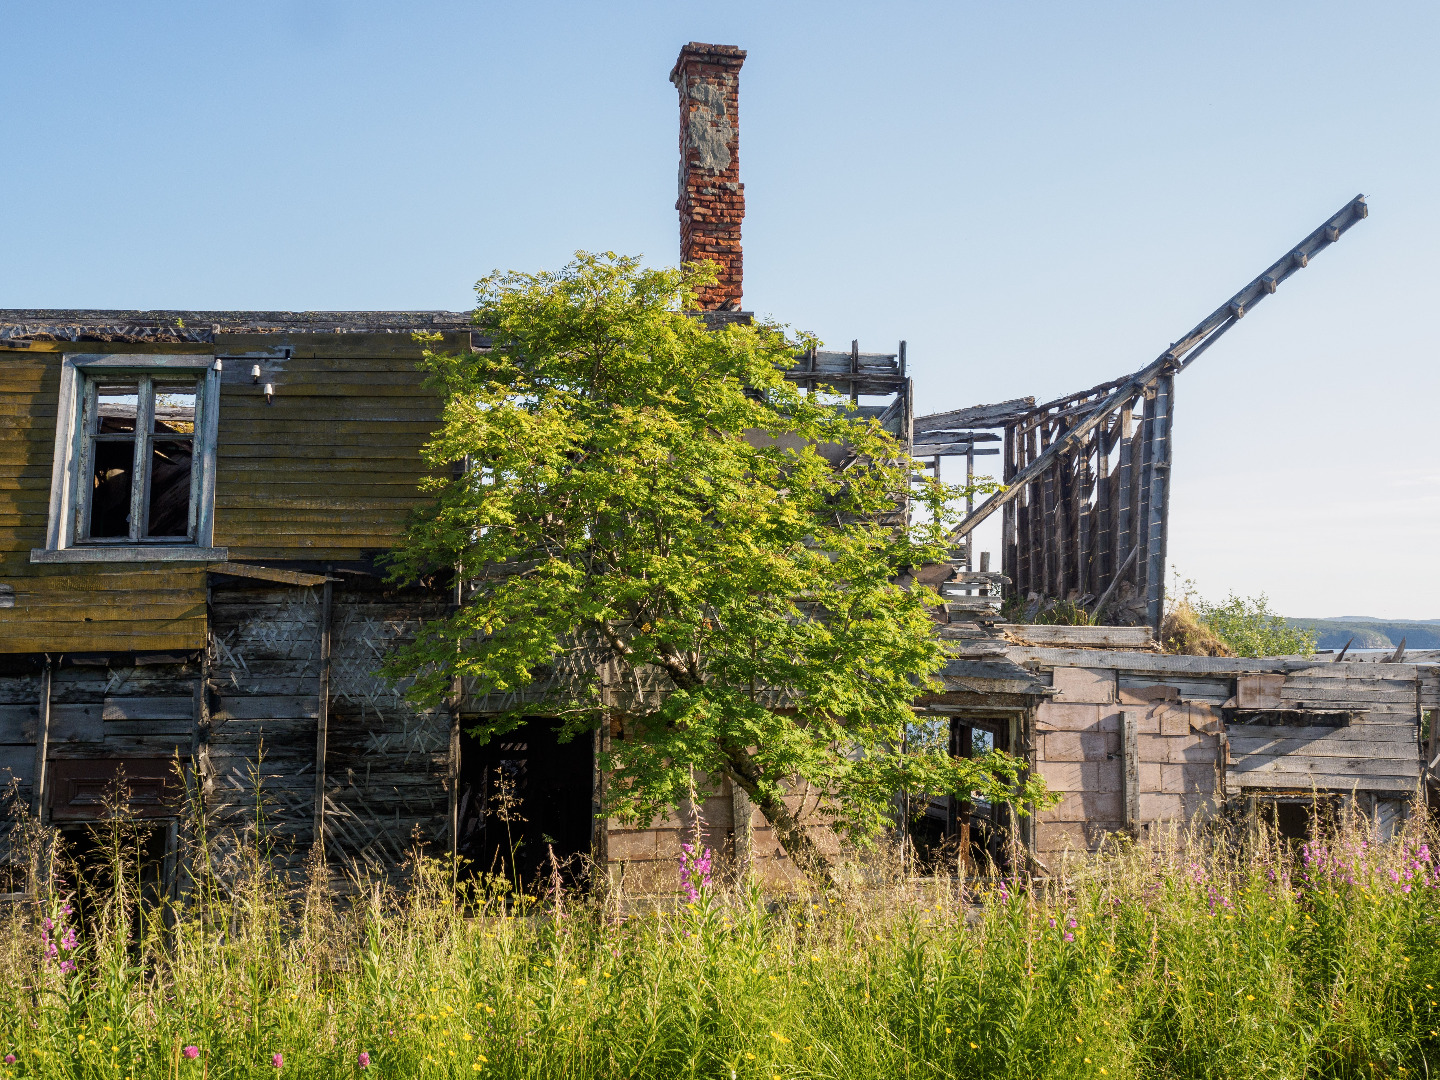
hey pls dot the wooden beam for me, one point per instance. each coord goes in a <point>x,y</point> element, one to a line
<point>42,745</point>
<point>322,721</point>
<point>1182,353</point>
<point>976,416</point>
<point>266,573</point>
<point>1130,774</point>
<point>1156,500</point>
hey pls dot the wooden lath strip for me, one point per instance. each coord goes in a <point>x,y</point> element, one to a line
<point>265,573</point>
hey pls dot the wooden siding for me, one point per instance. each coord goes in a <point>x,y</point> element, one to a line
<point>328,471</point>
<point>1211,728</point>
<point>82,607</point>
<point>386,762</point>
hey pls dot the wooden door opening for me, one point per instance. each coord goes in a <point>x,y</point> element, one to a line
<point>524,796</point>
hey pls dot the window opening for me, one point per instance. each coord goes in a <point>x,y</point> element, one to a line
<point>140,459</point>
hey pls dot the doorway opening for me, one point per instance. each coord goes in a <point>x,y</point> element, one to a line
<point>524,796</point>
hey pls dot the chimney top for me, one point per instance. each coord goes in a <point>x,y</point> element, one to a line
<point>711,198</point>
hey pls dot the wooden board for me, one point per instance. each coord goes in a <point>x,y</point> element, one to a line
<point>1099,637</point>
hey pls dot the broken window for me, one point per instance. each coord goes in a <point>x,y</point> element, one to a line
<point>138,461</point>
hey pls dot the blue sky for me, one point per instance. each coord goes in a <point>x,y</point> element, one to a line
<point>1037,196</point>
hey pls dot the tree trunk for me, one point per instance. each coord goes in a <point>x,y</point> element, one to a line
<point>791,834</point>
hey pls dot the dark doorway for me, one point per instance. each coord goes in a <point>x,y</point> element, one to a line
<point>524,795</point>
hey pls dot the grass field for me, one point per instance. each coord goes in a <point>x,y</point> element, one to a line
<point>1169,961</point>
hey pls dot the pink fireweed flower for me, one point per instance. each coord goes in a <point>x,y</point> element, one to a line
<point>277,1060</point>
<point>67,966</point>
<point>363,1060</point>
<point>70,940</point>
<point>49,923</point>
<point>9,1059</point>
<point>191,1052</point>
<point>695,871</point>
<point>1071,924</point>
<point>1069,936</point>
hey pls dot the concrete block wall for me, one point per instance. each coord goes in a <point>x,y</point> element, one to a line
<point>646,860</point>
<point>1079,754</point>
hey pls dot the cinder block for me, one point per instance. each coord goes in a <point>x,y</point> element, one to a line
<point>1155,807</point>
<point>1101,775</point>
<point>1053,837</point>
<point>1063,775</point>
<point>1064,717</point>
<point>1095,685</point>
<point>1199,804</point>
<point>1199,749</point>
<point>1150,776</point>
<point>1179,779</point>
<point>1174,719</point>
<point>1205,719</point>
<point>1148,695</point>
<point>631,845</point>
<point>1079,746</point>
<point>1088,806</point>
<point>1155,749</point>
<point>1147,721</point>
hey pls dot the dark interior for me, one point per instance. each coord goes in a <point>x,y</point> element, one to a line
<point>523,795</point>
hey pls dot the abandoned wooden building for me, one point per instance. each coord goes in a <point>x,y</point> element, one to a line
<point>193,504</point>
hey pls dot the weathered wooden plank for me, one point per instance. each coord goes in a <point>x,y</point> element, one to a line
<point>1138,662</point>
<point>1396,747</point>
<point>976,416</point>
<point>115,729</point>
<point>233,707</point>
<point>1256,764</point>
<point>265,573</point>
<point>149,746</point>
<point>17,763</point>
<point>1320,781</point>
<point>151,708</point>
<point>1081,636</point>
<point>1213,691</point>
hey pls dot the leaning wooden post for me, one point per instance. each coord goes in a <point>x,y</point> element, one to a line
<point>1130,773</point>
<point>1158,502</point>
<point>322,712</point>
<point>42,744</point>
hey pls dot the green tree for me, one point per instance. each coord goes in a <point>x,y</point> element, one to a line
<point>647,497</point>
<point>1248,626</point>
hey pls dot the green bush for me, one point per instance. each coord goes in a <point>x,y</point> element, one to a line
<point>1250,628</point>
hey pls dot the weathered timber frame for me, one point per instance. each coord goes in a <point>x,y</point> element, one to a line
<point>1087,475</point>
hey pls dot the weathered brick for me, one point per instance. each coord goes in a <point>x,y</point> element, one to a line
<point>711,199</point>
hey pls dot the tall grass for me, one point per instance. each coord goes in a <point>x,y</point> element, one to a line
<point>1186,958</point>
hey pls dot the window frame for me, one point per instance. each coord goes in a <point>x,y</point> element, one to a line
<point>66,539</point>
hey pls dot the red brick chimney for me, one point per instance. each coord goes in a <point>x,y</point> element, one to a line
<point>712,199</point>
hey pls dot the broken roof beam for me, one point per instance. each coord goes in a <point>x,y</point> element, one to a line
<point>976,416</point>
<point>1180,355</point>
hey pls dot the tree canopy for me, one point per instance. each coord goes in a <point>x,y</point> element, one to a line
<point>642,501</point>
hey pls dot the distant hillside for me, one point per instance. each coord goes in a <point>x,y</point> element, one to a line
<point>1371,633</point>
